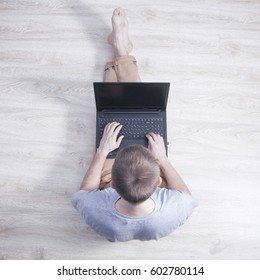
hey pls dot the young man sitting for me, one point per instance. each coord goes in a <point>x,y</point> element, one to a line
<point>139,195</point>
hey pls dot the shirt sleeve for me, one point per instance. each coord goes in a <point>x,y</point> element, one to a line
<point>77,200</point>
<point>91,199</point>
<point>189,203</point>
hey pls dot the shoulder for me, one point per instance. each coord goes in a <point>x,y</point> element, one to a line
<point>168,194</point>
<point>166,198</point>
<point>93,198</point>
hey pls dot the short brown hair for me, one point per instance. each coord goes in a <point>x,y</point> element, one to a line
<point>135,173</point>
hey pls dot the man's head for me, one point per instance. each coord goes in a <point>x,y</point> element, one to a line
<point>135,173</point>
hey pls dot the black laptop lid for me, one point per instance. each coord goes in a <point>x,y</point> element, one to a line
<point>139,96</point>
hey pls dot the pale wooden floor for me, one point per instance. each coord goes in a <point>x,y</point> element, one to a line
<point>51,52</point>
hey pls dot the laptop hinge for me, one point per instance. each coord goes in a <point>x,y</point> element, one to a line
<point>146,111</point>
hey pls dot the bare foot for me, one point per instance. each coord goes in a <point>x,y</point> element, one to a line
<point>119,37</point>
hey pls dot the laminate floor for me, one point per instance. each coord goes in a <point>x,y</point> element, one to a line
<point>50,53</point>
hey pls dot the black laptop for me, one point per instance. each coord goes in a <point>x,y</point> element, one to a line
<point>139,107</point>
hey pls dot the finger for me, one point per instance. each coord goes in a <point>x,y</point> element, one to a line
<point>151,137</point>
<point>119,140</point>
<point>161,139</point>
<point>157,137</point>
<point>117,129</point>
<point>111,127</point>
<point>151,142</point>
<point>108,125</point>
<point>148,137</point>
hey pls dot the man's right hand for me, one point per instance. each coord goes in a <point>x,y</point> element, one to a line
<point>156,146</point>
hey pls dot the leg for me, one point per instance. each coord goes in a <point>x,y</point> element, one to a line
<point>124,67</point>
<point>106,179</point>
<point>119,37</point>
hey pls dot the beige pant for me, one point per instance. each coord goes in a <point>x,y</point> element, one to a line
<point>122,69</point>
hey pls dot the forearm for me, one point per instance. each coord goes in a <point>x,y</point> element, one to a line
<point>91,180</point>
<point>174,180</point>
<point>109,142</point>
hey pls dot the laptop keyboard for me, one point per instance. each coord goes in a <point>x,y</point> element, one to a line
<point>134,128</point>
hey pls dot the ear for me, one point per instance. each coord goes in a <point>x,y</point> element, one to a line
<point>159,181</point>
<point>112,185</point>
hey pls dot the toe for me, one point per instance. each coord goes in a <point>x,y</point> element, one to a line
<point>120,12</point>
<point>117,12</point>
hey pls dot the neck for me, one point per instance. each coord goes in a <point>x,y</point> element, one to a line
<point>135,209</point>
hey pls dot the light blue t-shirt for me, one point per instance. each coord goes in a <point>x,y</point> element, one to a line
<point>97,208</point>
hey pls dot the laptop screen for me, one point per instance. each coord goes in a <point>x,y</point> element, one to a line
<point>131,95</point>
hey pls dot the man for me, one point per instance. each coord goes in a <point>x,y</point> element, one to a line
<point>139,195</point>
